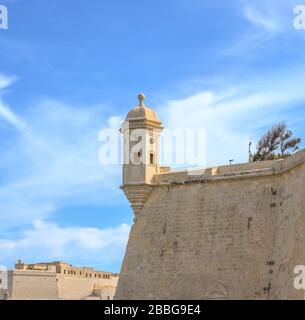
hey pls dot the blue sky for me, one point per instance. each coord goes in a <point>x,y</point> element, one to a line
<point>68,70</point>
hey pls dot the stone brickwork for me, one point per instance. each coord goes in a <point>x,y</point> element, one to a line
<point>28,284</point>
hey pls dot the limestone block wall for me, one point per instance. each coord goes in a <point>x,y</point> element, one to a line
<point>32,285</point>
<point>80,288</point>
<point>3,294</point>
<point>290,230</point>
<point>105,292</point>
<point>236,237</point>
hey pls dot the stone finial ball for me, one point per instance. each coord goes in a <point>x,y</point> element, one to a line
<point>141,97</point>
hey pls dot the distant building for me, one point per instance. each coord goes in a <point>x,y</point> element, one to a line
<point>59,280</point>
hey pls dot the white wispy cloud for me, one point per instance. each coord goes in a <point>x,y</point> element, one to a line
<point>53,161</point>
<point>267,22</point>
<point>5,112</point>
<point>233,118</point>
<point>6,81</point>
<point>48,241</point>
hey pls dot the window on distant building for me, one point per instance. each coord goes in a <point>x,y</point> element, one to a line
<point>151,158</point>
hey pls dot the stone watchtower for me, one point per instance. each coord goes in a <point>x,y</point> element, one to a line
<point>141,151</point>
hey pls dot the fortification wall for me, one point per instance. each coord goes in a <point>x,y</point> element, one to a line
<point>234,234</point>
<point>80,288</point>
<point>32,285</point>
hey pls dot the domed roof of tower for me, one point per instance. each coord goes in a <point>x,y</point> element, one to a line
<point>142,112</point>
